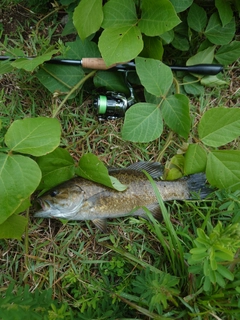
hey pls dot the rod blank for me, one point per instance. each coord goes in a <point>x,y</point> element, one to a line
<point>99,64</point>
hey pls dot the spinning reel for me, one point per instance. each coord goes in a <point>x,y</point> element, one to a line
<point>113,105</point>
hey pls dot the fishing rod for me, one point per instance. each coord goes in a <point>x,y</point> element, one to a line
<point>113,105</point>
<point>99,64</point>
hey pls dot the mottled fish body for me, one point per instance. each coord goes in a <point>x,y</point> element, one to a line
<point>81,199</point>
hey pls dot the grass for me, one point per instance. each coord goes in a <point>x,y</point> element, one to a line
<point>122,274</point>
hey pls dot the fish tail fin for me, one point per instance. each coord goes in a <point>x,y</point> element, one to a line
<point>197,184</point>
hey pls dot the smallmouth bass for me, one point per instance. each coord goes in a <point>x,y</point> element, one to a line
<point>81,199</point>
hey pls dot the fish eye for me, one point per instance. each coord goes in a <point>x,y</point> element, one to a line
<point>53,193</point>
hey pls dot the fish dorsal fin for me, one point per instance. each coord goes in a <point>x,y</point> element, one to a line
<point>101,224</point>
<point>155,169</point>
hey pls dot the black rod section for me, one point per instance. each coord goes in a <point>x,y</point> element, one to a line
<point>204,69</point>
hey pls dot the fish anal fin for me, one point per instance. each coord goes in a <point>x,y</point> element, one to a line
<point>101,224</point>
<point>153,208</point>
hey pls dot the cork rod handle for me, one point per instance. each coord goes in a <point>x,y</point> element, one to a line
<point>95,63</point>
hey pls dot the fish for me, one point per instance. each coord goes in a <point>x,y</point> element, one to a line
<point>82,199</point>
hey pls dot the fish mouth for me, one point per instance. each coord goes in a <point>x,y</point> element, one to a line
<point>44,204</point>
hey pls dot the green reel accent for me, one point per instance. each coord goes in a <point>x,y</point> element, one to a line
<point>102,105</point>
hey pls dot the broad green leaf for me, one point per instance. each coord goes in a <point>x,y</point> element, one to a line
<point>35,136</point>
<point>223,169</point>
<point>88,17</point>
<point>197,18</point>
<point>13,227</point>
<point>219,126</point>
<point>157,17</point>
<point>5,67</point>
<point>195,159</point>
<point>173,174</point>
<point>205,56</point>
<point>181,5</point>
<point>119,14</point>
<point>60,79</point>
<point>82,49</point>
<point>24,206</point>
<point>113,81</point>
<point>154,75</point>
<point>192,86</point>
<point>218,34</point>
<point>212,81</point>
<point>153,48</point>
<point>114,41</point>
<point>174,169</point>
<point>151,98</point>
<point>175,111</point>
<point>180,42</point>
<point>56,167</point>
<point>31,63</point>
<point>91,168</point>
<point>229,53</point>
<point>224,10</point>
<point>142,123</point>
<point>167,37</point>
<point>19,178</point>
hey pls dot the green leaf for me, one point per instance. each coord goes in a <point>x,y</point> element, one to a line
<point>226,273</point>
<point>154,75</point>
<point>199,251</point>
<point>91,168</point>
<point>220,280</point>
<point>113,81</point>
<point>197,18</point>
<point>142,123</point>
<point>219,126</point>
<point>13,227</point>
<point>174,169</point>
<point>224,10</point>
<point>153,48</point>
<point>58,79</point>
<point>82,49</point>
<point>222,169</point>
<point>157,17</point>
<point>212,81</point>
<point>119,13</point>
<point>56,167</point>
<point>205,56</point>
<point>88,17</point>
<point>218,34</point>
<point>229,53</point>
<point>114,41</point>
<point>181,5</point>
<point>19,178</point>
<point>180,42</point>
<point>175,111</point>
<point>35,136</point>
<point>5,67</point>
<point>31,64</point>
<point>192,86</point>
<point>195,159</point>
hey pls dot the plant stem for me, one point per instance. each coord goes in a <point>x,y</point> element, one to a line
<point>176,85</point>
<point>79,84</point>
<point>26,242</point>
<point>167,143</point>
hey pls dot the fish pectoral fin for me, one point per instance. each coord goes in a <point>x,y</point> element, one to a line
<point>153,208</point>
<point>101,224</point>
